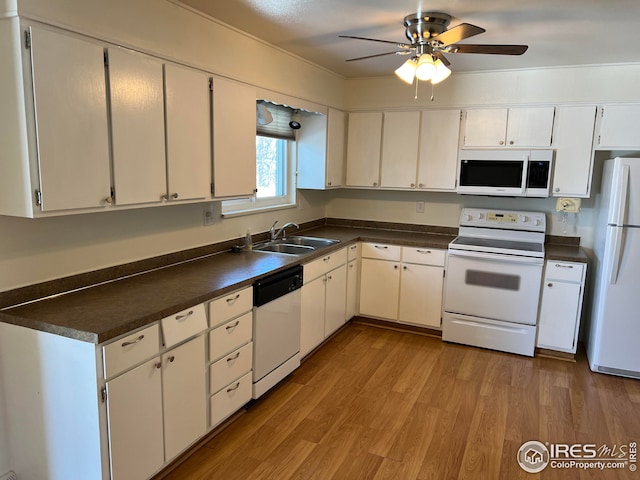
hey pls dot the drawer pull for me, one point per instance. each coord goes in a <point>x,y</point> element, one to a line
<point>326,259</point>
<point>232,300</point>
<point>423,251</point>
<point>133,342</point>
<point>231,327</point>
<point>235,387</point>
<point>559,265</point>
<point>186,315</point>
<point>549,285</point>
<point>172,358</point>
<point>353,247</point>
<point>381,247</point>
<point>235,357</point>
<point>157,365</point>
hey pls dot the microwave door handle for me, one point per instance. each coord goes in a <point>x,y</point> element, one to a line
<point>525,173</point>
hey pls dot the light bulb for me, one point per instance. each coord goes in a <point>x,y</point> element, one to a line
<point>442,72</point>
<point>426,68</point>
<point>407,71</point>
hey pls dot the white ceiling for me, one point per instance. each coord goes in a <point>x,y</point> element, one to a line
<point>558,32</point>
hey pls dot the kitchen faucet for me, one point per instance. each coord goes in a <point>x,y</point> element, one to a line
<point>275,235</point>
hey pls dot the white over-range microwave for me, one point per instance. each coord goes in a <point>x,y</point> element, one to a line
<point>514,173</point>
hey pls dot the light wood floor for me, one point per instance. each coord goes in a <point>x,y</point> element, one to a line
<point>379,404</point>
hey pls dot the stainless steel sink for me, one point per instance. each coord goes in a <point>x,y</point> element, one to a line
<point>297,245</point>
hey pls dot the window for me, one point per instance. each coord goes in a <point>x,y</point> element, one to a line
<point>274,178</point>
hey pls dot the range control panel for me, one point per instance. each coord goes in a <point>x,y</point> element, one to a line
<point>503,219</point>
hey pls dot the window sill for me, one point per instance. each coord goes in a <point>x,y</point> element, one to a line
<point>252,211</point>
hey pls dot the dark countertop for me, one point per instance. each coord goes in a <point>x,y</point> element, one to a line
<point>102,312</point>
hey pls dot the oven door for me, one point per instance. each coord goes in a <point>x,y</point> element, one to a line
<point>493,286</point>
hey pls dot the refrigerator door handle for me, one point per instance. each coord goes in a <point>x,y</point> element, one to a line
<point>616,254</point>
<point>620,204</point>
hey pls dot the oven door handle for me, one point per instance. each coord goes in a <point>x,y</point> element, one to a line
<point>497,257</point>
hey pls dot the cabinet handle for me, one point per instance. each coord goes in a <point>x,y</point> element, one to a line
<point>353,247</point>
<point>186,315</point>
<point>108,200</point>
<point>501,142</point>
<point>133,342</point>
<point>235,387</point>
<point>395,267</point>
<point>231,327</point>
<point>232,300</point>
<point>557,189</point>
<point>559,265</point>
<point>413,185</point>
<point>329,184</point>
<point>375,184</point>
<point>326,259</point>
<point>231,359</point>
<point>167,196</point>
<point>329,277</point>
<point>171,358</point>
<point>421,185</point>
<point>157,365</point>
<point>404,267</point>
<point>549,285</point>
<point>381,247</point>
<point>423,251</point>
<point>511,142</point>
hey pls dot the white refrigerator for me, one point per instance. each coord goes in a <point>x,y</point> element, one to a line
<point>613,340</point>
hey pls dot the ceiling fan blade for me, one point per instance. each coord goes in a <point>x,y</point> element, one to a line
<point>488,49</point>
<point>399,45</point>
<point>442,58</point>
<point>401,52</point>
<point>457,33</point>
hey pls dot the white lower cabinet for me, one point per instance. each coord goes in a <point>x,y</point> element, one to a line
<point>324,297</point>
<point>157,409</point>
<point>561,306</point>
<point>230,354</point>
<point>402,284</point>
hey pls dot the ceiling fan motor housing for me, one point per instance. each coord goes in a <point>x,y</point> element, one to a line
<point>420,27</point>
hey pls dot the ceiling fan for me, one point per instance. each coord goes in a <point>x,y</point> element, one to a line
<point>429,40</point>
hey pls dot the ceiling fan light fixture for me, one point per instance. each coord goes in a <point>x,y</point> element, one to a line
<point>442,72</point>
<point>407,71</point>
<point>426,68</point>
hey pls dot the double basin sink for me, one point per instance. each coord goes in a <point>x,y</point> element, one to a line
<point>295,245</point>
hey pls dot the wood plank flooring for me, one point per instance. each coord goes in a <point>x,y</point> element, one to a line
<point>380,404</point>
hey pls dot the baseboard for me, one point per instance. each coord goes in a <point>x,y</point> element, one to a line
<point>398,327</point>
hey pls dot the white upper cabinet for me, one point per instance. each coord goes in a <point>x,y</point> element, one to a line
<point>618,128</point>
<point>72,135</point>
<point>510,127</point>
<point>573,141</point>
<point>400,139</point>
<point>363,149</point>
<point>188,132</point>
<point>137,126</point>
<point>234,139</point>
<point>438,158</point>
<point>321,150</point>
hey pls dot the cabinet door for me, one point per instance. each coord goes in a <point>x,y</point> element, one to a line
<point>559,315</point>
<point>312,322</point>
<point>137,127</point>
<point>188,130</point>
<point>71,113</point>
<point>399,164</point>
<point>353,276</point>
<point>134,411</point>
<point>379,288</point>
<point>363,149</point>
<point>485,127</point>
<point>438,159</point>
<point>573,164</point>
<point>619,127</point>
<point>530,127</point>
<point>335,300</point>
<point>312,146</point>
<point>421,295</point>
<point>234,139</point>
<point>184,396</point>
<point>336,133</point>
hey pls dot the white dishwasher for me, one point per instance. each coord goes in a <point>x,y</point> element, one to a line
<point>276,328</point>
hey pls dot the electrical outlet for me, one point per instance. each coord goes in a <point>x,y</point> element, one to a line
<point>568,205</point>
<point>419,207</point>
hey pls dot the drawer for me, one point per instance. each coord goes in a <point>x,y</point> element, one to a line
<point>230,399</point>
<point>353,251</point>
<point>183,325</point>
<point>230,367</point>
<point>564,271</point>
<point>230,306</point>
<point>381,251</point>
<point>325,264</point>
<point>130,350</point>
<point>423,256</point>
<point>231,335</point>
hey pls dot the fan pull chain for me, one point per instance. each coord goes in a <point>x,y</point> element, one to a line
<point>432,88</point>
<point>416,95</point>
